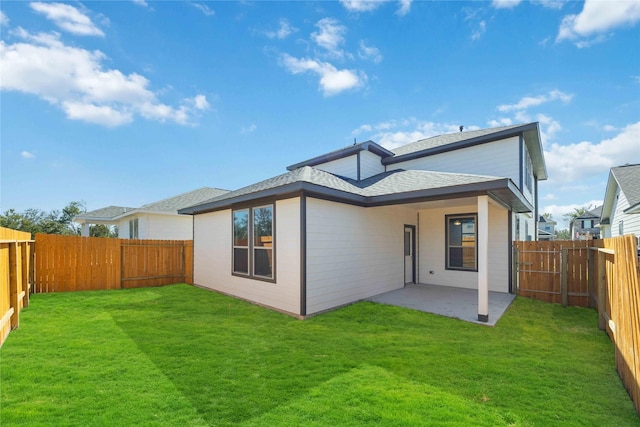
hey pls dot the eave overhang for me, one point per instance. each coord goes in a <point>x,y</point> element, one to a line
<point>501,190</point>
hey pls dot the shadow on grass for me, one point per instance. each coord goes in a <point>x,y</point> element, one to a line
<point>240,363</point>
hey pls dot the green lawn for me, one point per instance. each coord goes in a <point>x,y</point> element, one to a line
<point>183,356</point>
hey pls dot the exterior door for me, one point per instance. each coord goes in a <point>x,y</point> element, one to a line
<point>409,254</point>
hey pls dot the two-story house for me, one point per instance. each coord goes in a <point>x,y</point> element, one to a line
<point>364,220</point>
<point>587,225</point>
<point>621,210</point>
<point>546,228</point>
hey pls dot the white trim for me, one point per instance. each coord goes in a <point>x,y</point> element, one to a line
<point>483,255</point>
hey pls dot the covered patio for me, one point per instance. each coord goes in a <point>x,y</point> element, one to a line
<point>447,301</point>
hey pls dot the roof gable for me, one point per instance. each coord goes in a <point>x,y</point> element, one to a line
<point>454,141</point>
<point>344,152</point>
<point>627,178</point>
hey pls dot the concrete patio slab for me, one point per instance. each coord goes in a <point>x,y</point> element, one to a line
<point>446,301</point>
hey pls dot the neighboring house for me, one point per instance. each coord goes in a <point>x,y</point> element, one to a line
<point>621,209</point>
<point>546,228</point>
<point>365,220</point>
<point>158,220</point>
<point>586,226</point>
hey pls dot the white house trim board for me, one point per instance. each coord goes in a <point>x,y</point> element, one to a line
<point>483,256</point>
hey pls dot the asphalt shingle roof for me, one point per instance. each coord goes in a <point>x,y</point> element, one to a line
<point>628,178</point>
<point>105,213</point>
<point>449,138</point>
<point>172,204</point>
<point>393,182</point>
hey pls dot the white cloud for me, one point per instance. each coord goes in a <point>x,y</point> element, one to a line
<point>598,17</point>
<point>534,101</point>
<point>369,52</point>
<point>200,102</point>
<point>142,3</point>
<point>74,80</point>
<point>572,162</point>
<point>284,30</point>
<point>370,5</point>
<point>361,5</point>
<point>395,133</point>
<point>332,81</point>
<point>68,18</point>
<point>479,32</point>
<point>99,114</point>
<point>505,4</point>
<point>204,9</point>
<point>405,7</point>
<point>551,4</point>
<point>503,121</point>
<point>249,129</point>
<point>330,36</point>
<point>4,21</point>
<point>27,155</point>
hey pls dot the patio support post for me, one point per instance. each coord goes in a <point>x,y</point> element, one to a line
<point>483,249</point>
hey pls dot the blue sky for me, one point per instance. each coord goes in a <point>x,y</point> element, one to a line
<point>125,103</point>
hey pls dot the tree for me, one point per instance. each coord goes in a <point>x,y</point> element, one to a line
<point>38,221</point>
<point>547,216</point>
<point>102,230</point>
<point>563,235</point>
<point>577,212</point>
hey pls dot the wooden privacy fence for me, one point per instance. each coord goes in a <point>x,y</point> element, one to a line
<point>16,272</point>
<point>73,263</point>
<point>600,273</point>
<point>554,271</point>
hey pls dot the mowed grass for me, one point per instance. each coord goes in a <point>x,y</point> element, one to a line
<point>183,356</point>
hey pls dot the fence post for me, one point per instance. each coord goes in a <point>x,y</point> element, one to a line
<point>564,280</point>
<point>590,279</point>
<point>514,269</point>
<point>602,297</point>
<point>13,285</point>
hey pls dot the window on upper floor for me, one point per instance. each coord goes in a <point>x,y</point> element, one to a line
<point>462,239</point>
<point>528,171</point>
<point>587,223</point>
<point>621,228</point>
<point>253,242</point>
<point>133,229</point>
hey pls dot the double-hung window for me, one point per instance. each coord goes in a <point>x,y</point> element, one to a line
<point>133,229</point>
<point>462,237</point>
<point>253,242</point>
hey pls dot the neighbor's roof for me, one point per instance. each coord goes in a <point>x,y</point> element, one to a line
<point>173,204</point>
<point>169,205</point>
<point>627,177</point>
<point>399,186</point>
<point>107,213</point>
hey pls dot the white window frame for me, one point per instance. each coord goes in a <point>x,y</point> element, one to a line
<point>134,229</point>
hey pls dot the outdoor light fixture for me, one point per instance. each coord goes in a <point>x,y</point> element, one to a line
<point>457,222</point>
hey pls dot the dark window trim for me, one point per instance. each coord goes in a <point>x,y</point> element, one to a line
<point>413,253</point>
<point>446,240</point>
<point>250,242</point>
